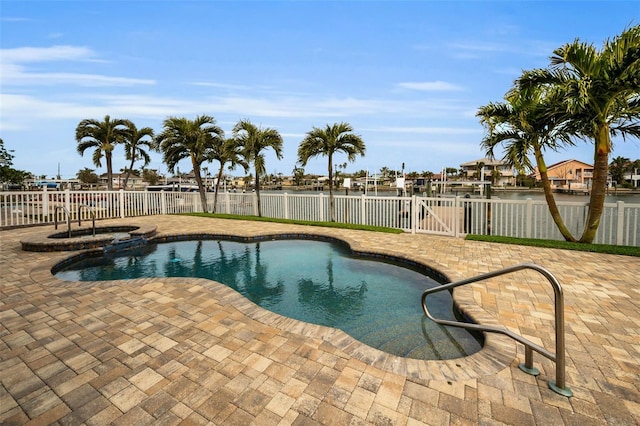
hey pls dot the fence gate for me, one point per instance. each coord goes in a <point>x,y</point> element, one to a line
<point>441,216</point>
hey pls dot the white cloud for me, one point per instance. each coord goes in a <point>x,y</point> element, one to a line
<point>45,54</point>
<point>475,49</point>
<point>18,108</point>
<point>14,19</point>
<point>430,130</point>
<point>15,73</point>
<point>432,146</point>
<point>15,77</point>
<point>479,46</point>
<point>440,86</point>
<point>221,85</point>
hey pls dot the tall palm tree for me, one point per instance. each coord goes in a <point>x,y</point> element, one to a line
<point>338,137</point>
<point>601,91</point>
<point>194,139</point>
<point>134,143</point>
<point>227,152</point>
<point>103,136</point>
<point>254,140</point>
<point>526,124</point>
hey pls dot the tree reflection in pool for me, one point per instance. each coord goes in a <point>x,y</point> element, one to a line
<point>376,302</point>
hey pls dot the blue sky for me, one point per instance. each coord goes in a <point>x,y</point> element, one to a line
<point>409,76</point>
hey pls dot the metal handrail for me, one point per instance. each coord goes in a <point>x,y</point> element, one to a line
<point>55,218</point>
<point>93,216</point>
<point>559,357</point>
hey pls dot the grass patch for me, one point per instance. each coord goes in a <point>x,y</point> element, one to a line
<point>298,222</point>
<point>595,248</point>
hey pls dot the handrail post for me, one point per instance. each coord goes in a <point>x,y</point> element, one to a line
<point>55,218</point>
<point>527,366</point>
<point>93,217</point>
<point>559,357</point>
<point>559,385</point>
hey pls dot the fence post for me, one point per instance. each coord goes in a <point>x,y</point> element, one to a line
<point>620,223</point>
<point>285,201</point>
<point>456,216</point>
<point>255,203</point>
<point>363,206</point>
<point>163,202</point>
<point>415,217</point>
<point>320,207</point>
<point>347,202</point>
<point>227,202</point>
<point>121,196</point>
<point>528,218</point>
<point>67,201</point>
<point>45,204</point>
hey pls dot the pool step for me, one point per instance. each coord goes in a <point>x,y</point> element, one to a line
<point>409,340</point>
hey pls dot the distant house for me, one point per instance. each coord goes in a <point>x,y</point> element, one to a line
<point>472,170</point>
<point>633,178</point>
<point>134,182</point>
<point>568,174</point>
<point>373,180</point>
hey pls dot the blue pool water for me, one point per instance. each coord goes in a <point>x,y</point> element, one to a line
<point>377,303</point>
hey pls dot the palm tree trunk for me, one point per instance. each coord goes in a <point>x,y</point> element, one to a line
<point>201,188</point>
<point>215,192</point>
<point>551,201</point>
<point>258,194</point>
<point>126,178</point>
<point>331,202</point>
<point>109,171</point>
<point>599,186</point>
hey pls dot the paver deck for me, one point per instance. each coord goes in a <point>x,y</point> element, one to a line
<point>191,351</point>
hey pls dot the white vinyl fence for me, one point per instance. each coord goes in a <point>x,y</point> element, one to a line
<point>453,216</point>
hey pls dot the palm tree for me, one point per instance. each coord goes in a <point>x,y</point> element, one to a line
<point>229,151</point>
<point>601,94</point>
<point>335,138</point>
<point>298,175</point>
<point>495,176</point>
<point>134,144</point>
<point>254,141</point>
<point>618,167</point>
<point>479,172</point>
<point>193,139</point>
<point>525,123</point>
<point>103,136</point>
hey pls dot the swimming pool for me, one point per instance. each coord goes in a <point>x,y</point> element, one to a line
<point>320,282</point>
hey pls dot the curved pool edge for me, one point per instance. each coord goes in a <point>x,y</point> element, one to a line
<point>497,353</point>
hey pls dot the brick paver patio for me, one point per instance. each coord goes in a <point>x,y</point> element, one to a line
<point>191,351</point>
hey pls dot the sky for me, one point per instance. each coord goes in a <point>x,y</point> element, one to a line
<point>408,76</point>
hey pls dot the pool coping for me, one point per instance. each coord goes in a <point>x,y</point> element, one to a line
<point>43,242</point>
<point>497,353</point>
